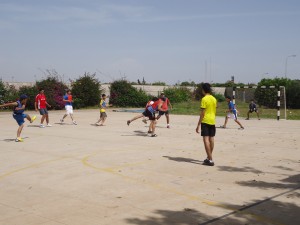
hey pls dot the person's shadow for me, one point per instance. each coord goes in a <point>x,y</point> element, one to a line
<point>181,159</point>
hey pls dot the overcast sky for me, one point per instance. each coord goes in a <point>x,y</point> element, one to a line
<point>160,40</point>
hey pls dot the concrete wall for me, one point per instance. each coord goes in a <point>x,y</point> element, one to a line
<point>149,89</point>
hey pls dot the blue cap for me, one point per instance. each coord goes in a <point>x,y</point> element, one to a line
<point>23,97</point>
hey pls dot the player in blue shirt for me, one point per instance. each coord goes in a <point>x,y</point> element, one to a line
<point>68,100</point>
<point>19,115</point>
<point>231,113</point>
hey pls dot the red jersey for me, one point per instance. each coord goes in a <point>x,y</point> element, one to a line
<point>40,99</point>
<point>165,104</point>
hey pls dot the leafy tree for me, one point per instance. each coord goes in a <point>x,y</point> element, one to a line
<point>178,94</point>
<point>31,92</point>
<point>293,94</point>
<point>159,83</point>
<point>86,91</point>
<point>268,97</point>
<point>123,94</point>
<point>2,90</point>
<point>54,91</point>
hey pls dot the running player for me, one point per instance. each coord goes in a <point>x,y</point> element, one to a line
<point>231,113</point>
<point>68,100</point>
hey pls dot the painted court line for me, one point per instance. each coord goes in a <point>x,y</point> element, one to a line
<point>85,161</point>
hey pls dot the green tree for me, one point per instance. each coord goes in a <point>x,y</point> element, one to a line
<point>123,94</point>
<point>178,94</point>
<point>293,94</point>
<point>86,91</point>
<point>268,97</point>
<point>159,83</point>
<point>31,92</point>
<point>54,91</point>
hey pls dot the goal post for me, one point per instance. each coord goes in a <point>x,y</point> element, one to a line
<point>278,105</point>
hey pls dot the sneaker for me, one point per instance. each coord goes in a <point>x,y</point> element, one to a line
<point>223,127</point>
<point>168,126</point>
<point>33,119</point>
<point>42,126</point>
<point>19,139</point>
<point>208,162</point>
<point>49,125</point>
<point>247,119</point>
<point>149,132</point>
<point>144,121</point>
<point>61,120</point>
<point>128,122</point>
<point>74,122</point>
<point>241,128</point>
<point>154,135</point>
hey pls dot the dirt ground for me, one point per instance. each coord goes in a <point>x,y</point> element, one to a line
<point>117,174</point>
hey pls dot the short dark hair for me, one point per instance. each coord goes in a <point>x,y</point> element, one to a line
<point>206,87</point>
<point>22,97</point>
<point>154,99</point>
<point>41,89</point>
<point>103,95</point>
<point>228,97</point>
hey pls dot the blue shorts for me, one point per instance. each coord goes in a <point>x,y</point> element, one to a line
<point>43,111</point>
<point>20,118</point>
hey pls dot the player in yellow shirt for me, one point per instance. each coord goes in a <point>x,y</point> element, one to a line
<point>103,115</point>
<point>207,121</point>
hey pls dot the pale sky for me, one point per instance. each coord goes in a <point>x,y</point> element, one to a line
<point>160,40</point>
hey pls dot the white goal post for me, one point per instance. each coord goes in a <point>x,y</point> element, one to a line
<point>266,87</point>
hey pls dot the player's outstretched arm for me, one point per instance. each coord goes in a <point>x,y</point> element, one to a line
<point>9,104</point>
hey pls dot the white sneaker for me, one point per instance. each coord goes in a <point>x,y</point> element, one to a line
<point>49,125</point>
<point>42,126</point>
<point>74,122</point>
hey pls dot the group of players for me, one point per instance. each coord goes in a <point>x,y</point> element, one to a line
<point>41,105</point>
<point>161,105</point>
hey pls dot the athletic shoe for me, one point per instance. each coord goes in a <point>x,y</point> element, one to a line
<point>149,132</point>
<point>241,128</point>
<point>208,163</point>
<point>154,135</point>
<point>19,139</point>
<point>33,119</point>
<point>247,119</point>
<point>74,122</point>
<point>223,127</point>
<point>61,120</point>
<point>42,126</point>
<point>49,125</point>
<point>168,126</point>
<point>128,122</point>
<point>206,160</point>
<point>144,121</point>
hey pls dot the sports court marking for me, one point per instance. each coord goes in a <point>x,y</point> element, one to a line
<point>34,165</point>
<point>85,161</point>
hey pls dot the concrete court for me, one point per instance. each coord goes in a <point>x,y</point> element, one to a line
<point>115,174</point>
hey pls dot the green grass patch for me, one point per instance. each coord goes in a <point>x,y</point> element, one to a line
<point>193,108</point>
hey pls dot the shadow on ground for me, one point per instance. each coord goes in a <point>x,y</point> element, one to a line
<point>267,212</point>
<point>181,159</point>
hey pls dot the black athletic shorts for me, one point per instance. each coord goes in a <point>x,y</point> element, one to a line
<point>208,130</point>
<point>163,112</point>
<point>149,114</point>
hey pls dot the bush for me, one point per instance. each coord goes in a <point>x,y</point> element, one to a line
<point>31,92</point>
<point>123,94</point>
<point>86,91</point>
<point>219,97</point>
<point>176,95</point>
<point>54,91</point>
